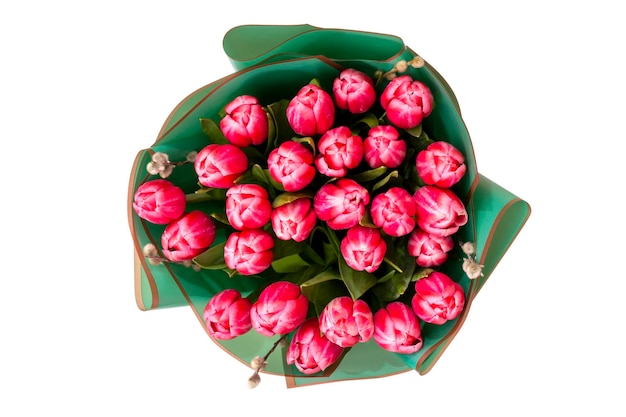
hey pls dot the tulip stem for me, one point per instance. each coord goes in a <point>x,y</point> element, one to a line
<point>393,265</point>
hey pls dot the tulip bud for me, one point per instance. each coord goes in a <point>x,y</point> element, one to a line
<point>245,122</point>
<point>440,164</point>
<point>394,212</point>
<point>406,101</point>
<point>159,201</point>
<point>188,236</point>
<point>339,151</point>
<point>437,298</point>
<point>311,112</point>
<point>354,91</point>
<point>363,248</point>
<point>218,166</point>
<point>384,147</point>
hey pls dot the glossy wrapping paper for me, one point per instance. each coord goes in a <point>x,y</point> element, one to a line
<point>272,63</point>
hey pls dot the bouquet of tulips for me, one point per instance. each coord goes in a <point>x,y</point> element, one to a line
<point>328,218</point>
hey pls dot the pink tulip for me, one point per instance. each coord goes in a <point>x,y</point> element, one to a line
<point>159,201</point>
<point>354,91</point>
<point>249,251</point>
<point>384,147</point>
<point>227,315</point>
<point>346,322</point>
<point>440,164</point>
<point>248,206</point>
<point>245,122</point>
<point>339,151</point>
<point>280,309</point>
<point>429,250</point>
<point>406,101</point>
<point>311,112</point>
<point>218,166</point>
<point>394,211</point>
<point>437,298</point>
<point>341,203</point>
<point>439,212</point>
<point>188,236</point>
<point>363,248</point>
<point>397,328</point>
<point>291,164</point>
<point>294,220</point>
<point>311,351</point>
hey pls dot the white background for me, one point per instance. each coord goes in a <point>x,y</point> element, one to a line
<point>85,85</point>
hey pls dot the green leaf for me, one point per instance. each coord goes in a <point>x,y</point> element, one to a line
<point>396,283</point>
<point>421,273</point>
<point>212,258</point>
<point>416,131</point>
<point>282,128</point>
<point>286,198</point>
<point>369,175</point>
<point>290,263</point>
<point>220,217</point>
<point>322,288</point>
<point>212,130</point>
<point>369,119</point>
<point>392,175</point>
<point>357,282</point>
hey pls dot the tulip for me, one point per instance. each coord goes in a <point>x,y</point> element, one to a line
<point>248,206</point>
<point>429,250</point>
<point>439,211</point>
<point>339,150</point>
<point>245,122</point>
<point>311,112</point>
<point>384,147</point>
<point>188,236</point>
<point>159,201</point>
<point>341,203</point>
<point>218,166</point>
<point>437,298</point>
<point>227,315</point>
<point>354,91</point>
<point>291,164</point>
<point>406,102</point>
<point>363,248</point>
<point>249,251</point>
<point>397,328</point>
<point>394,211</point>
<point>294,220</point>
<point>310,351</point>
<point>346,322</point>
<point>440,164</point>
<point>280,309</point>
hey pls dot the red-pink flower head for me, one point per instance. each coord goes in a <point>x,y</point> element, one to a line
<point>440,164</point>
<point>248,206</point>
<point>341,203</point>
<point>383,146</point>
<point>354,91</point>
<point>310,351</point>
<point>280,309</point>
<point>394,211</point>
<point>245,122</point>
<point>346,322</point>
<point>439,211</point>
<point>406,101</point>
<point>363,248</point>
<point>249,251</point>
<point>397,328</point>
<point>188,236</point>
<point>438,298</point>
<point>291,164</point>
<point>339,151</point>
<point>219,165</point>
<point>311,112</point>
<point>159,201</point>
<point>227,315</point>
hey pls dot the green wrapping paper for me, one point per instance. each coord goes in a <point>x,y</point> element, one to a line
<point>272,63</point>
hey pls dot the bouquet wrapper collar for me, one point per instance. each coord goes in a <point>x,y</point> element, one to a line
<point>273,62</point>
